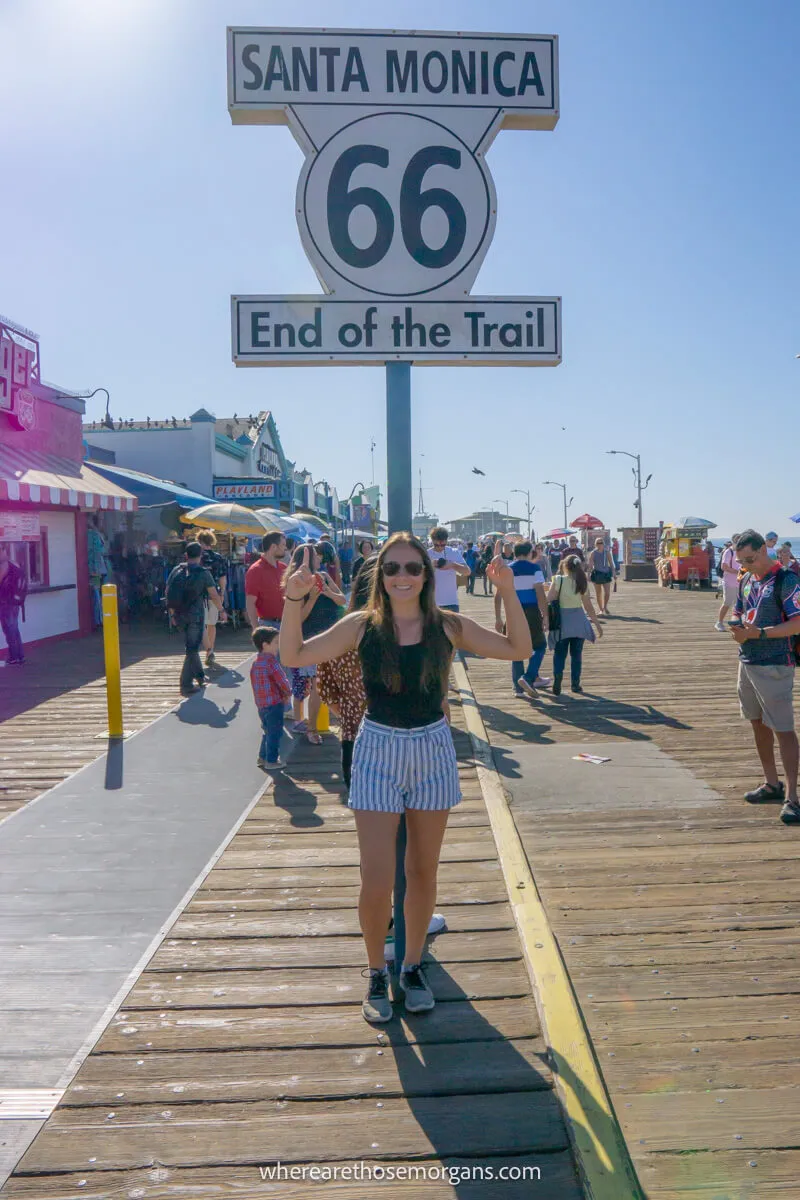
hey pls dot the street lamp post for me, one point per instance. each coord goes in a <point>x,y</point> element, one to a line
<point>637,474</point>
<point>506,504</point>
<point>563,486</point>
<point>527,496</point>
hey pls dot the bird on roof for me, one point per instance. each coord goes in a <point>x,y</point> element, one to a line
<point>477,471</point>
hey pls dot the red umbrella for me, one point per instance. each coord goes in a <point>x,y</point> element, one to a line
<point>587,521</point>
<point>557,533</point>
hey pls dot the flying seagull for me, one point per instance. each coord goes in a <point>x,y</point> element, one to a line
<point>477,471</point>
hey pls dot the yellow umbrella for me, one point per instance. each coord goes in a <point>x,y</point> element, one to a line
<point>229,518</point>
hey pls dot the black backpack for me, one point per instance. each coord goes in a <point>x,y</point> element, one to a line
<point>184,588</point>
<point>780,575</point>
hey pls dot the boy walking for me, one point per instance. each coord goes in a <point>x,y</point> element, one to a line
<point>271,690</point>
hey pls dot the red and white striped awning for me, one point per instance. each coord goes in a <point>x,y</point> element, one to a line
<point>36,478</point>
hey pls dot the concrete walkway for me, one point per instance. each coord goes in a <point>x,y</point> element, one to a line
<point>91,875</point>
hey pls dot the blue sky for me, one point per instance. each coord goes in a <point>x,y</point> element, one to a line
<point>663,209</point>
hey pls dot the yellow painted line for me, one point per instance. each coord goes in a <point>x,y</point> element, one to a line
<point>602,1157</point>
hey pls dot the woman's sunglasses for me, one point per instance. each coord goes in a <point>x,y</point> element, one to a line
<point>411,568</point>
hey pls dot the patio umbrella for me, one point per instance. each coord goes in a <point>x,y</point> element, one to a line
<point>586,521</point>
<point>558,533</point>
<point>278,519</point>
<point>695,523</point>
<point>228,518</point>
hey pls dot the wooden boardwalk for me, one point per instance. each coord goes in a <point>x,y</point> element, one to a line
<point>242,1043</point>
<point>53,710</point>
<point>677,918</point>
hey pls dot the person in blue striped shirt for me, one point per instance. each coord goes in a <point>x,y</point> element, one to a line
<point>529,583</point>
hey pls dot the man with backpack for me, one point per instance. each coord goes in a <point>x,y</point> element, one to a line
<point>13,589</point>
<point>187,588</point>
<point>766,624</point>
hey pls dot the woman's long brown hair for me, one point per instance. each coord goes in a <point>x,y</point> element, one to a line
<point>574,567</point>
<point>439,650</point>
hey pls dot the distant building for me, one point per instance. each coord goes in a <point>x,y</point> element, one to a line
<point>422,523</point>
<point>479,523</point>
<point>238,459</point>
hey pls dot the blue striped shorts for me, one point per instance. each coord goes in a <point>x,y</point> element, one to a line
<point>395,769</point>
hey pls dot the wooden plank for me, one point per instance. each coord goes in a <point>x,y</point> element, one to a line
<point>729,1018</point>
<point>264,1131</point>
<point>753,977</point>
<point>267,876</point>
<point>711,1119</point>
<point>669,1066</point>
<point>136,1030</point>
<point>207,955</point>
<point>321,923</point>
<point>299,899</point>
<point>678,920</point>
<point>656,948</point>
<point>315,986</point>
<point>282,852</point>
<point>551,1176</point>
<point>518,1064</point>
<point>719,1174</point>
<point>683,895</point>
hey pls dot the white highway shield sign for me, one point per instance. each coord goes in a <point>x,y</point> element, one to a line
<point>396,205</point>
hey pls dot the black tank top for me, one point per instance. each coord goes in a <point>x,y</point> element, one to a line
<point>406,709</point>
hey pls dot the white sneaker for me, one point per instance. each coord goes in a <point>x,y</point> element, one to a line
<point>436,924</point>
<point>720,628</point>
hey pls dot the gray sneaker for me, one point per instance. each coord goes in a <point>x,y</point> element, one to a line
<point>376,1006</point>
<point>419,997</point>
<point>790,813</point>
<point>766,793</point>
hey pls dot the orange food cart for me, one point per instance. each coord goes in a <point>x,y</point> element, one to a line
<point>683,559</point>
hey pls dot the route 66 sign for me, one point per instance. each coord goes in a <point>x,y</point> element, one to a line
<point>395,200</point>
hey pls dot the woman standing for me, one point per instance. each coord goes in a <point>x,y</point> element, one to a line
<point>601,566</point>
<point>404,761</point>
<point>319,612</point>
<point>570,590</point>
<point>366,549</point>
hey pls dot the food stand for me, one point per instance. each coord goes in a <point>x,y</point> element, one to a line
<point>682,558</point>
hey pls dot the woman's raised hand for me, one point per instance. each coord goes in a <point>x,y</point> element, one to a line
<point>301,582</point>
<point>498,571</point>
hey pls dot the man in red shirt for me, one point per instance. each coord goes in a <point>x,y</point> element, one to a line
<point>262,583</point>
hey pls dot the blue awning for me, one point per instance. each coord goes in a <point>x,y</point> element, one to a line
<point>150,491</point>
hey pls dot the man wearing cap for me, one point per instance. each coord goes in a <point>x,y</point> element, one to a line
<point>772,541</point>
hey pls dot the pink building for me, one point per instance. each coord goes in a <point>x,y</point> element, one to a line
<point>47,493</point>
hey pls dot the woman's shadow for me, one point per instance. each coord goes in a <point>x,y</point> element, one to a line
<point>482,1093</point>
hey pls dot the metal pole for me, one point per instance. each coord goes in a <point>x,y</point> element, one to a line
<point>398,490</point>
<point>639,487</point>
<point>398,445</point>
<point>111,649</point>
<point>564,486</point>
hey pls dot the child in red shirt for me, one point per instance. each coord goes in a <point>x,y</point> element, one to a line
<point>271,690</point>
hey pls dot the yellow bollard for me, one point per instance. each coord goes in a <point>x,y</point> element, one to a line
<point>323,719</point>
<point>111,648</point>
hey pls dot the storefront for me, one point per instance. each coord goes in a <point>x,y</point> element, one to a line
<point>47,493</point>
